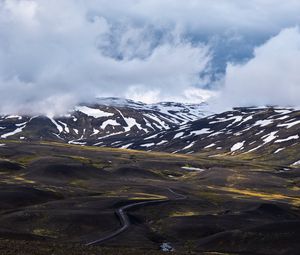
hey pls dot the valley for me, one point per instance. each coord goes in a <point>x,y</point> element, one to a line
<point>57,197</point>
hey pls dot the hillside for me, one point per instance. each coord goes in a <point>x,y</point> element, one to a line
<point>56,198</point>
<point>242,131</point>
<point>109,117</point>
<point>167,127</point>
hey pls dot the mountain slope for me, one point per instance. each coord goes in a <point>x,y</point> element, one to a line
<point>168,127</point>
<point>86,124</point>
<point>239,131</point>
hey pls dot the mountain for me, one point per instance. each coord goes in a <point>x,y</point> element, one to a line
<point>168,127</point>
<point>108,117</point>
<point>242,130</point>
<point>241,176</point>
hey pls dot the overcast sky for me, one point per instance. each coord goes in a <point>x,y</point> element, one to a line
<point>54,54</point>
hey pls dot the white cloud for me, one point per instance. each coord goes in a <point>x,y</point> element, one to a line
<point>56,53</point>
<point>206,15</point>
<point>65,58</point>
<point>271,77</point>
<point>142,94</point>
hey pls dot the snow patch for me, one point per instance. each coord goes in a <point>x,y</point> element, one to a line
<point>237,146</point>
<point>77,143</point>
<point>201,131</point>
<point>278,150</point>
<point>127,146</point>
<point>13,117</point>
<point>270,137</point>
<point>131,122</point>
<point>65,126</point>
<point>16,131</point>
<point>109,122</point>
<point>180,134</point>
<point>297,163</point>
<point>162,142</point>
<point>289,125</point>
<point>193,168</point>
<point>147,145</point>
<point>294,137</point>
<point>263,123</point>
<point>189,146</point>
<point>59,128</point>
<point>209,146</point>
<point>96,113</point>
<point>150,137</point>
<point>156,119</point>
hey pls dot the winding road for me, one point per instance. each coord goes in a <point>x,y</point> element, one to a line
<point>125,222</point>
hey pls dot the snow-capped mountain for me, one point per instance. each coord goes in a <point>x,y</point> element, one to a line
<point>177,112</point>
<point>241,130</point>
<point>108,117</point>
<point>170,127</point>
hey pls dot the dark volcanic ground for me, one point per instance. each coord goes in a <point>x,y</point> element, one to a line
<point>57,197</point>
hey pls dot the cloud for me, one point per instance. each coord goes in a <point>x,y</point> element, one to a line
<point>271,77</point>
<point>204,16</point>
<point>149,50</point>
<point>49,63</point>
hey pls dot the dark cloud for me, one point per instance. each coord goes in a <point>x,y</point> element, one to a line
<point>56,53</point>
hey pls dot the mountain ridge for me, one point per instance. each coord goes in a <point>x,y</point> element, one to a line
<point>168,127</point>
<point>107,117</point>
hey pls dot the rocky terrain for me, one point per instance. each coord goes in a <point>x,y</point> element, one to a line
<point>91,123</point>
<point>168,127</point>
<point>180,179</point>
<point>242,130</point>
<point>56,198</point>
